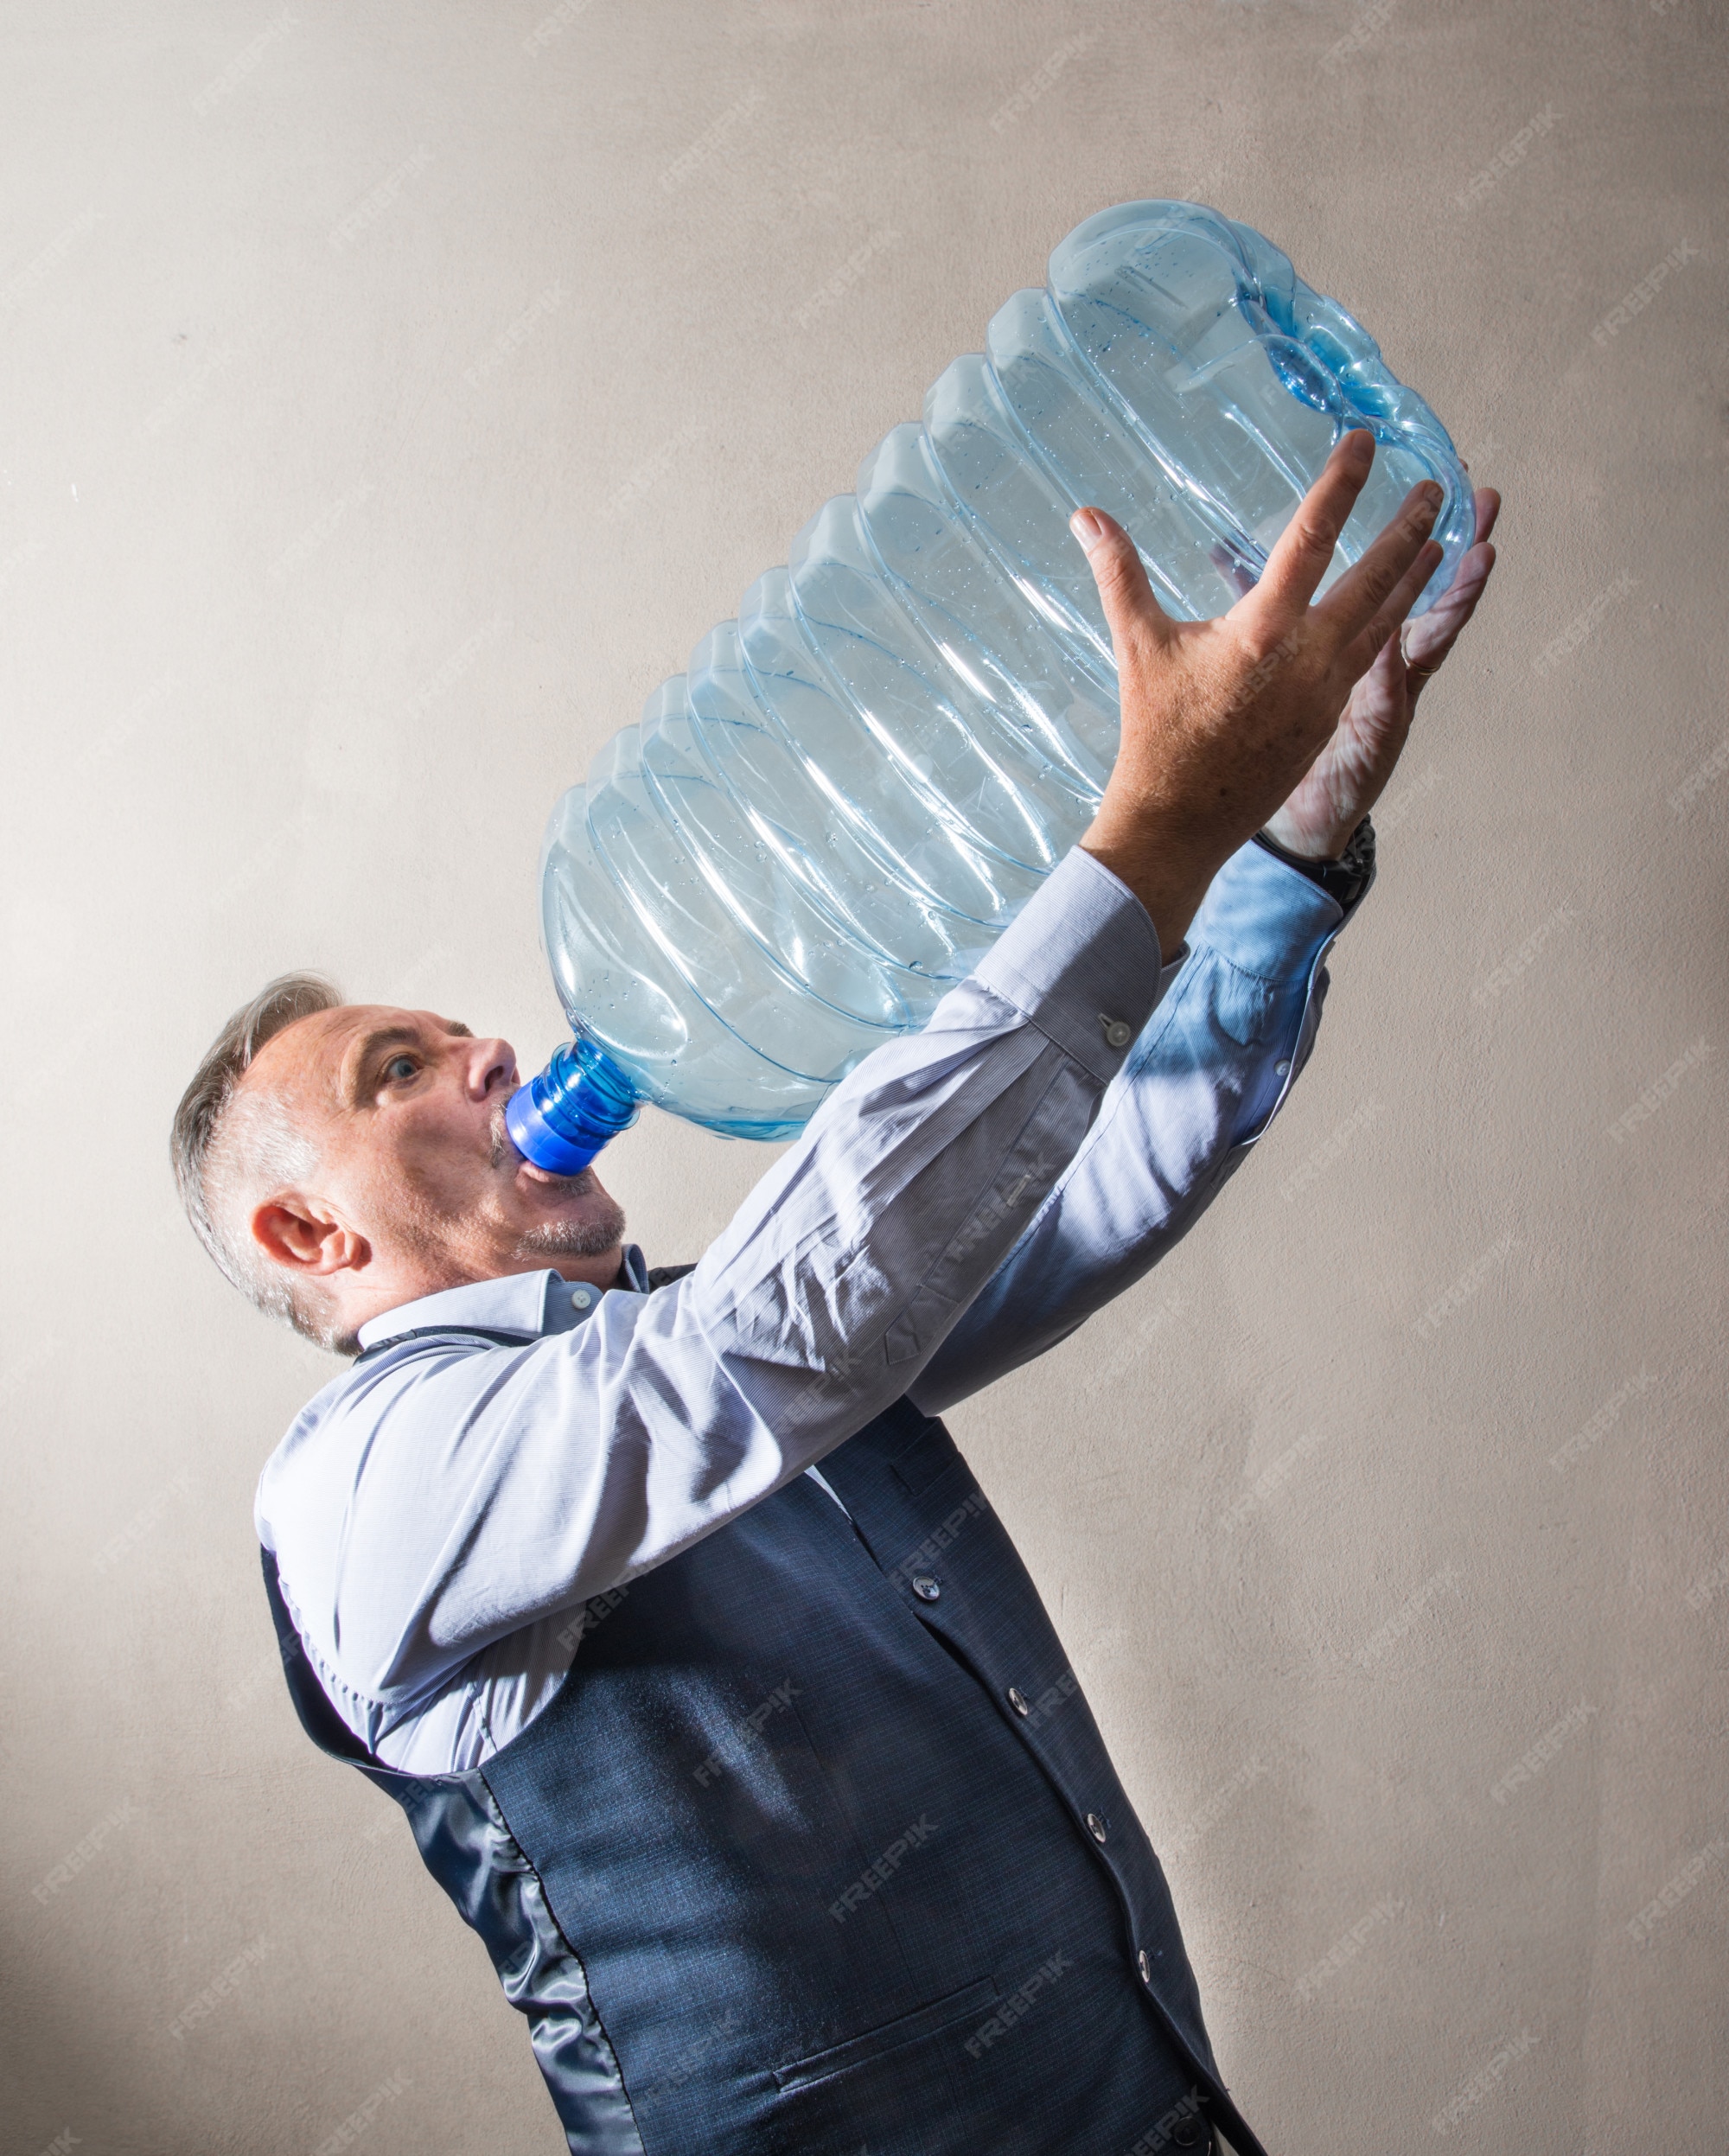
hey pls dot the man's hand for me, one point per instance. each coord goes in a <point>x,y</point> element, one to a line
<point>1222,719</point>
<point>1350,773</point>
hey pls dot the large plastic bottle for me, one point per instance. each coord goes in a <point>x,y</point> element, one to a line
<point>820,827</point>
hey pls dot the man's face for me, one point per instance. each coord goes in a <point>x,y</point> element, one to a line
<point>406,1112</point>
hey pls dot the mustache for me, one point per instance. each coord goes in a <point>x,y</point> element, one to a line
<point>502,1146</point>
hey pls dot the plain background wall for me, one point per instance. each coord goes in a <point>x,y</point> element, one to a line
<point>318,580</point>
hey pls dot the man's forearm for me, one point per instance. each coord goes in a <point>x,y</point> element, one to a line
<point>1221,1051</point>
<point>918,1176</point>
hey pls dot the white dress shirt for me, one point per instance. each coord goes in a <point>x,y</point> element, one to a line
<point>443,1511</point>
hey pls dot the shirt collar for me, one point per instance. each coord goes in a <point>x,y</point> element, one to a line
<point>528,1302</point>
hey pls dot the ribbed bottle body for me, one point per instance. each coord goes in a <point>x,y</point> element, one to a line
<point>822,825</point>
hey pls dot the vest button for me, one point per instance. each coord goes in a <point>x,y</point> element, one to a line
<point>1095,1826</point>
<point>925,1588</point>
<point>1018,1700</point>
<point>1143,1962</point>
<point>1191,2133</point>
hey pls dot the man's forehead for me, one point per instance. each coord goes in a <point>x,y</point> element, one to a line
<point>320,1047</point>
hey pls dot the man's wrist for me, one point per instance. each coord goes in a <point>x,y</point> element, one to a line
<point>1343,877</point>
<point>1082,959</point>
<point>1170,902</point>
<point>1157,860</point>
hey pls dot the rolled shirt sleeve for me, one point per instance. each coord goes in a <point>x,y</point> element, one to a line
<point>444,1495</point>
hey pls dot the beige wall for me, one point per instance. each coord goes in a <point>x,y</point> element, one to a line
<point>316,590</point>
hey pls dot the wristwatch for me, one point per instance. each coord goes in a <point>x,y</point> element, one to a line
<point>1346,878</point>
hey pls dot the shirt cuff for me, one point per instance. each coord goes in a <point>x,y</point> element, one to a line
<point>1268,918</point>
<point>1082,959</point>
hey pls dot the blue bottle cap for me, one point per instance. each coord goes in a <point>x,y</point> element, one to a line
<point>561,1119</point>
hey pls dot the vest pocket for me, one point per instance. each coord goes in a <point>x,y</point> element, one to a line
<point>931,2020</point>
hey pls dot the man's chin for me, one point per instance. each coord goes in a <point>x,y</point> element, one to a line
<point>598,1229</point>
<point>601,1228</point>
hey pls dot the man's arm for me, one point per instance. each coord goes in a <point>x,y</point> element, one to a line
<point>1200,1087</point>
<point>446,1493</point>
<point>444,1498</point>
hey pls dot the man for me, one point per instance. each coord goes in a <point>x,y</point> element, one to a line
<point>715,1693</point>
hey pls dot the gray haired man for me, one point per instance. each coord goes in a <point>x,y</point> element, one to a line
<point>715,1692</point>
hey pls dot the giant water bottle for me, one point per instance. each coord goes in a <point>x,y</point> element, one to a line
<point>821,826</point>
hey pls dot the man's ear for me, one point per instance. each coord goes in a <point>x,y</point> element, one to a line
<point>303,1236</point>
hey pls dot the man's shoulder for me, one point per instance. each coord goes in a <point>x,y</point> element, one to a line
<point>400,1428</point>
<point>353,1435</point>
<point>360,1494</point>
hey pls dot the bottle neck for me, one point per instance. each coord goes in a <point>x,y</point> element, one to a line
<point>560,1120</point>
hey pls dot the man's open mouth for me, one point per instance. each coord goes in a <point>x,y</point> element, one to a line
<point>506,1155</point>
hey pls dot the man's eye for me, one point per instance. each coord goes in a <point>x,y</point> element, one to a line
<point>399,1069</point>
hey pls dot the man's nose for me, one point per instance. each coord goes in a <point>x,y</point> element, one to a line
<point>491,1064</point>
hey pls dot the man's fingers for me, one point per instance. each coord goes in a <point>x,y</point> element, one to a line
<point>1297,562</point>
<point>1131,611</point>
<point>1359,595</point>
<point>1360,653</point>
<point>1428,641</point>
<point>1425,643</point>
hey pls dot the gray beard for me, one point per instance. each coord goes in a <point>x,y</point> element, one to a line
<point>592,1237</point>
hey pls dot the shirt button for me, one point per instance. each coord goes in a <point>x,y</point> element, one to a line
<point>1281,1068</point>
<point>1095,1826</point>
<point>925,1588</point>
<point>1143,1962</point>
<point>1118,1031</point>
<point>1018,1700</point>
<point>581,1298</point>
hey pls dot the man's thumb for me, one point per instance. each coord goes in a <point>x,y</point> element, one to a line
<point>1124,591</point>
